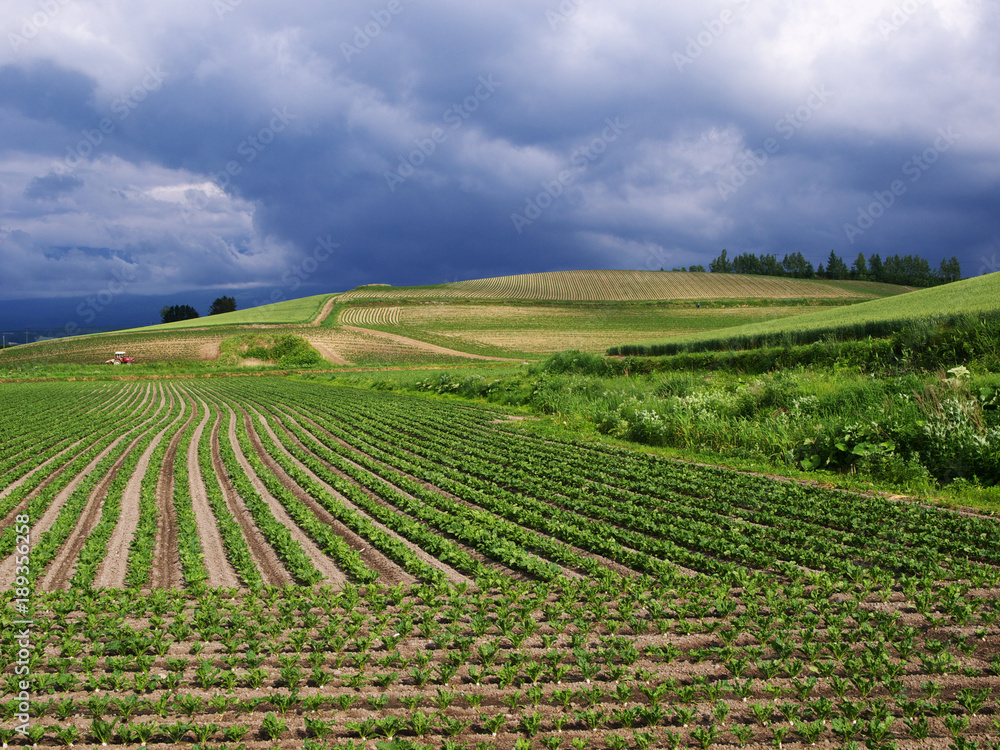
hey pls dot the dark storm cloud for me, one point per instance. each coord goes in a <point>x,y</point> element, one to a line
<point>206,143</point>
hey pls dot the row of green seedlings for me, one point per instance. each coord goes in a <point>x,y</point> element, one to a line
<point>95,549</point>
<point>37,427</point>
<point>142,546</point>
<point>386,543</point>
<point>111,428</point>
<point>290,552</point>
<point>505,542</point>
<point>442,548</point>
<point>950,540</point>
<point>514,509</point>
<point>810,723</point>
<point>958,607</point>
<point>190,551</point>
<point>235,544</point>
<point>328,541</point>
<point>48,543</point>
<point>542,485</point>
<point>791,649</point>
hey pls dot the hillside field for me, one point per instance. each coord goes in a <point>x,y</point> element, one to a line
<point>520,317</point>
<point>976,297</point>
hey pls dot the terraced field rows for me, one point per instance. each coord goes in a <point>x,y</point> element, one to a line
<point>386,567</point>
<point>620,285</point>
<point>370,316</point>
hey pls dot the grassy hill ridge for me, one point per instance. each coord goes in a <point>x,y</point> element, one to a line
<point>876,318</point>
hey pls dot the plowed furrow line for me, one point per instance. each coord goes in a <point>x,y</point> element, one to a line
<point>166,570</point>
<point>112,570</point>
<point>220,571</point>
<point>271,570</point>
<point>61,569</point>
<point>472,552</point>
<point>317,557</point>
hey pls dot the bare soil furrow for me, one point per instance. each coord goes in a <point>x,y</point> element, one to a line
<point>166,571</point>
<point>271,570</point>
<point>351,537</point>
<point>112,570</point>
<point>61,568</point>
<point>317,557</point>
<point>310,426</point>
<point>220,572</point>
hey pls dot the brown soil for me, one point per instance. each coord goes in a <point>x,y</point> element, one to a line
<point>220,571</point>
<point>423,345</point>
<point>272,572</point>
<point>328,353</point>
<point>166,568</point>
<point>112,570</point>
<point>327,567</point>
<point>325,312</point>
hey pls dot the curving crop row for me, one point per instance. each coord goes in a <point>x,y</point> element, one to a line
<point>95,549</point>
<point>237,550</point>
<point>276,533</point>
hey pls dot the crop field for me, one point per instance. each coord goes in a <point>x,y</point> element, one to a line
<point>620,285</point>
<point>259,562</point>
<point>145,345</point>
<point>975,296</point>
<point>370,316</point>
<point>527,330</point>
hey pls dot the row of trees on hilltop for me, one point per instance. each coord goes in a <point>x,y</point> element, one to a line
<point>906,270</point>
<point>171,313</point>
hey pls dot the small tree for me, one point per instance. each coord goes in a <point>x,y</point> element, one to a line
<point>222,305</point>
<point>722,264</point>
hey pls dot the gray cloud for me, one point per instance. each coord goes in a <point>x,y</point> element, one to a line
<point>215,144</point>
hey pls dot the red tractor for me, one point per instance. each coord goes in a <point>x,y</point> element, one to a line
<point>121,359</point>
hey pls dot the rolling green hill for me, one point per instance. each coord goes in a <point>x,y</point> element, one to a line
<point>623,286</point>
<point>523,316</point>
<point>876,318</point>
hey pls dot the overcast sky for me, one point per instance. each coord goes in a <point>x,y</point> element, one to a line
<point>276,149</point>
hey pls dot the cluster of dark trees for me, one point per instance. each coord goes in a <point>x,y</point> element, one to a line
<point>170,313</point>
<point>906,270</point>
